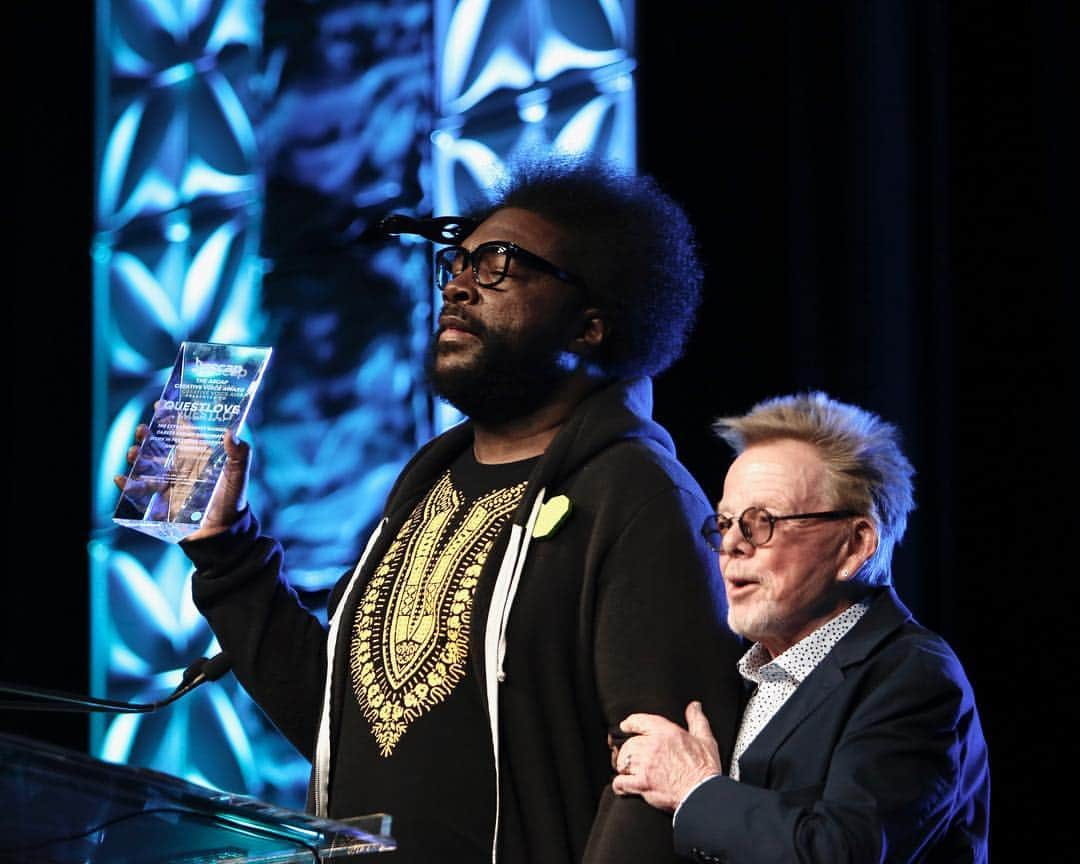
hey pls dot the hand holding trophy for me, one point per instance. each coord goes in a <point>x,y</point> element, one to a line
<point>188,474</point>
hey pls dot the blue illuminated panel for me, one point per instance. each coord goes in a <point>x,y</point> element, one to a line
<point>177,230</point>
<point>242,149</point>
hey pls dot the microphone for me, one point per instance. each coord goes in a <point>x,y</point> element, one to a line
<point>438,229</point>
<point>199,672</point>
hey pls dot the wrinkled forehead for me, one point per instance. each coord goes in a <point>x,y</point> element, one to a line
<point>528,230</point>
<point>784,475</point>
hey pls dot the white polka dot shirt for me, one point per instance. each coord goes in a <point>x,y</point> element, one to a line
<point>777,679</point>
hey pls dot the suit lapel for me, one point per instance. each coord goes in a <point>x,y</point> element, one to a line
<point>755,762</point>
<point>885,614</point>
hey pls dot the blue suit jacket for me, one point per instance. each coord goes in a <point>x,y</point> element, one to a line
<point>877,756</point>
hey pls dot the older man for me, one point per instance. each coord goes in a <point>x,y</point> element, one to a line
<point>860,741</point>
<point>535,574</point>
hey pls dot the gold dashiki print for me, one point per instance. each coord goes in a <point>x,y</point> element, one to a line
<point>410,641</point>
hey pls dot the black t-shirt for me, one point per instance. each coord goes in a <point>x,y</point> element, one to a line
<point>414,739</point>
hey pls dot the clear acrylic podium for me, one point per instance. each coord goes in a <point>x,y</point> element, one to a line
<point>62,807</point>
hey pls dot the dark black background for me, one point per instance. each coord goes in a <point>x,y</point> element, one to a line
<point>887,212</point>
<point>885,197</point>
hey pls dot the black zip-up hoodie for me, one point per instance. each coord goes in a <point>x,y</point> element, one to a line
<point>618,610</point>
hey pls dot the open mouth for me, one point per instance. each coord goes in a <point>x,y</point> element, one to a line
<point>737,583</point>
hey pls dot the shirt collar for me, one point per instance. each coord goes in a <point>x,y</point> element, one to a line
<point>798,661</point>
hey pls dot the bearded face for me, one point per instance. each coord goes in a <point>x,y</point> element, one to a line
<point>501,352</point>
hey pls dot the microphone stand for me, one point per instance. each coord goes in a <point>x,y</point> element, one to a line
<point>202,670</point>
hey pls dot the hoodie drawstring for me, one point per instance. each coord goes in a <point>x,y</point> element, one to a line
<point>320,779</point>
<point>502,597</point>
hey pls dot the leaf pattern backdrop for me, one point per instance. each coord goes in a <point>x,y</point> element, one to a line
<point>245,150</point>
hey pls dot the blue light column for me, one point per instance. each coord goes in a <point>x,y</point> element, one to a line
<point>177,231</point>
<point>243,149</point>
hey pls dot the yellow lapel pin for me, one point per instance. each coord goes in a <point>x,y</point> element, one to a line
<point>553,513</point>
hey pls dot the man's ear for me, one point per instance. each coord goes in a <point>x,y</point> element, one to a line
<point>862,543</point>
<point>594,330</point>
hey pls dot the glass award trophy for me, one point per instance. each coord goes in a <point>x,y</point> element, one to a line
<point>179,463</point>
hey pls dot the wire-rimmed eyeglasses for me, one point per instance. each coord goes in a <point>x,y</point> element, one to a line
<point>490,263</point>
<point>757,523</point>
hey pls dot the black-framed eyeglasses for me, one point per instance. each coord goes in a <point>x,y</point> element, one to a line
<point>490,263</point>
<point>757,523</point>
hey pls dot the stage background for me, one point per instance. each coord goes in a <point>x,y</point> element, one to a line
<point>885,195</point>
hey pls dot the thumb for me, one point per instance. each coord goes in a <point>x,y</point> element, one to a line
<point>696,721</point>
<point>234,447</point>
